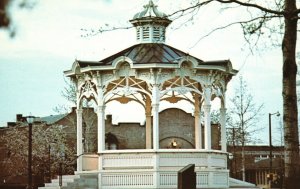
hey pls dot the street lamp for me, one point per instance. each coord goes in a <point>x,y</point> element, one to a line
<point>229,163</point>
<point>270,141</point>
<point>30,120</point>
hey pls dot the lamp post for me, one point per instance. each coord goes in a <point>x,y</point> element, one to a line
<point>49,160</point>
<point>270,142</point>
<point>30,120</point>
<point>229,163</point>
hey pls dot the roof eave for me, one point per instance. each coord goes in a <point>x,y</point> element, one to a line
<point>154,65</point>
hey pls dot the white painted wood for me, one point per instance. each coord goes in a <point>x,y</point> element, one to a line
<point>223,129</point>
<point>207,127</point>
<point>79,139</point>
<point>155,110</point>
<point>101,128</point>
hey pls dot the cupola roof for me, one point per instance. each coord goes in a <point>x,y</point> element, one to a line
<point>150,10</point>
<point>150,24</point>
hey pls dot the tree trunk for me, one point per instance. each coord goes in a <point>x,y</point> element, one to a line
<point>290,112</point>
<point>243,163</point>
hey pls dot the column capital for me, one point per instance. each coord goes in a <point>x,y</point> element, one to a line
<point>100,108</point>
<point>155,107</point>
<point>206,107</point>
<point>207,94</point>
<point>79,111</point>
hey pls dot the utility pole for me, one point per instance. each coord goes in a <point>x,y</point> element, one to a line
<point>270,143</point>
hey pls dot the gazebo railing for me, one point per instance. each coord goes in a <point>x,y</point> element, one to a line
<point>148,168</point>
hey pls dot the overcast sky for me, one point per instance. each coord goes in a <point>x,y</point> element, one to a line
<point>49,38</point>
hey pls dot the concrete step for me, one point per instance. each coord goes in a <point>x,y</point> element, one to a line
<point>66,179</point>
<point>49,187</point>
<point>63,180</point>
<point>70,176</point>
<point>238,184</point>
<point>55,184</point>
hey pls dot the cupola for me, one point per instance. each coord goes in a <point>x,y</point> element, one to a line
<point>150,24</point>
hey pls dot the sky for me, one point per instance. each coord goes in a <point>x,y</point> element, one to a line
<point>49,38</point>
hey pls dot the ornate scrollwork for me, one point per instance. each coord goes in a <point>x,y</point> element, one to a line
<point>125,91</point>
<point>88,90</point>
<point>123,99</point>
<point>183,90</point>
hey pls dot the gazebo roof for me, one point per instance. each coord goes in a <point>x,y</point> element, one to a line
<point>144,53</point>
<point>151,55</point>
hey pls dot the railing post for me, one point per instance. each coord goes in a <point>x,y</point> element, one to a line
<point>156,180</point>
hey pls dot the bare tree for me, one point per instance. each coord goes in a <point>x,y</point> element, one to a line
<point>4,19</point>
<point>49,148</point>
<point>89,117</point>
<point>245,114</point>
<point>5,14</point>
<point>276,17</point>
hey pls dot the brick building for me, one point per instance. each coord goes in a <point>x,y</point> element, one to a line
<point>257,163</point>
<point>176,126</point>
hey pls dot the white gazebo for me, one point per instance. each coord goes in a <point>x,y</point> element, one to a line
<point>148,73</point>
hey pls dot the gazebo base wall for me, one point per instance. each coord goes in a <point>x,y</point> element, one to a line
<point>160,179</point>
<point>156,169</point>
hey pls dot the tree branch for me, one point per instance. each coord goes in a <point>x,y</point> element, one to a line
<point>199,4</point>
<point>101,30</point>
<point>229,25</point>
<point>297,12</point>
<point>253,6</point>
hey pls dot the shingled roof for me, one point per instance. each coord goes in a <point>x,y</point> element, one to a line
<point>144,53</point>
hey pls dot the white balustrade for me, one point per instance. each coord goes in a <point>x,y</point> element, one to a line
<point>167,158</point>
<point>149,169</point>
<point>168,179</point>
<point>127,161</point>
<point>130,180</point>
<point>202,179</point>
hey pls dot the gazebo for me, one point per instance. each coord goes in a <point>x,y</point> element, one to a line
<point>148,73</point>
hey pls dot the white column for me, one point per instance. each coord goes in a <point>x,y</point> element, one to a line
<point>198,130</point>
<point>79,139</point>
<point>207,123</point>
<point>101,128</point>
<point>207,127</point>
<point>223,129</point>
<point>155,113</point>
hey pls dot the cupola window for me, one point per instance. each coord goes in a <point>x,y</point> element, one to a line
<point>146,32</point>
<point>138,33</point>
<point>156,33</point>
